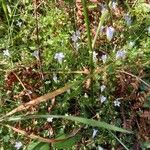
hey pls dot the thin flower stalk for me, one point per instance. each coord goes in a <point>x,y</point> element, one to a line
<point>101,22</point>
<point>84,3</point>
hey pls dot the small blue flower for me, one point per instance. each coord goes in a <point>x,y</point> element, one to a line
<point>18,145</point>
<point>120,54</point>
<point>110,33</point>
<point>128,19</point>
<point>78,33</point>
<point>75,36</point>
<point>59,57</point>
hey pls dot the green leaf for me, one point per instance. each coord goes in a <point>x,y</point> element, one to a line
<point>5,8</point>
<point>95,123</point>
<point>68,143</point>
<point>38,146</point>
<point>86,121</point>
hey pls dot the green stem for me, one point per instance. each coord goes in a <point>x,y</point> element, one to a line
<point>119,140</point>
<point>101,22</point>
<point>86,18</point>
<point>11,25</point>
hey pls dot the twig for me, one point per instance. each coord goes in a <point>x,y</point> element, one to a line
<point>123,117</point>
<point>25,89</point>
<point>132,75</point>
<point>38,100</point>
<point>36,137</point>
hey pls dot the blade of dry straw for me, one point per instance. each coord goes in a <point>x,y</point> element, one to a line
<point>38,100</point>
<point>39,138</point>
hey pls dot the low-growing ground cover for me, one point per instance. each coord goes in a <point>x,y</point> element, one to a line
<point>74,74</point>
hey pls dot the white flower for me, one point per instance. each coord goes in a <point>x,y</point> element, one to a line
<point>109,33</point>
<point>6,53</point>
<point>114,5</point>
<point>19,23</point>
<point>128,19</point>
<point>102,99</point>
<point>59,57</point>
<point>55,78</point>
<point>49,119</point>
<point>78,33</point>
<point>36,54</point>
<point>94,56</point>
<point>117,103</point>
<point>18,145</point>
<point>94,133</point>
<point>75,36</point>
<point>103,87</point>
<point>85,95</point>
<point>131,44</point>
<point>104,58</point>
<point>47,82</point>
<point>120,54</point>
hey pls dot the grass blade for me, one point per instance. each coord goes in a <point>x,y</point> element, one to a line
<point>119,141</point>
<point>5,10</point>
<point>85,121</point>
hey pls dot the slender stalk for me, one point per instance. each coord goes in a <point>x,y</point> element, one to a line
<point>11,25</point>
<point>39,61</point>
<point>119,140</point>
<point>101,22</point>
<point>86,18</point>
